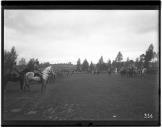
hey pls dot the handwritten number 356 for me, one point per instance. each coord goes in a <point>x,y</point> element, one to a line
<point>148,116</point>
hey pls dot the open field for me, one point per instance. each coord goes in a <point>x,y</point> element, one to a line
<point>85,97</point>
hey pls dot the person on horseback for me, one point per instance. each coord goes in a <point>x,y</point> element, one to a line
<point>37,71</point>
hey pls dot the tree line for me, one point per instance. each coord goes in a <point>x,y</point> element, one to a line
<point>10,62</point>
<point>148,60</point>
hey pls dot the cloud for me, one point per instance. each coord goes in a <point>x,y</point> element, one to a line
<point>66,35</point>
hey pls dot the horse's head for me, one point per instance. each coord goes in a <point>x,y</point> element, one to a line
<point>51,70</point>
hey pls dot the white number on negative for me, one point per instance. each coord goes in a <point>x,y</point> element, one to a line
<point>148,116</point>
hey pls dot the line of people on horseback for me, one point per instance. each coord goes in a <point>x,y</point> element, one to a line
<point>132,71</point>
<point>129,71</point>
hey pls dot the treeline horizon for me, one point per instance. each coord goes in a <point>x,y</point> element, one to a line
<point>144,58</point>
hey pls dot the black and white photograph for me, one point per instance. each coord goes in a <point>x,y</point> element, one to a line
<point>81,65</point>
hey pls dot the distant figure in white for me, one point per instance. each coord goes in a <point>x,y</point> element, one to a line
<point>116,71</point>
<point>43,79</point>
<point>143,71</point>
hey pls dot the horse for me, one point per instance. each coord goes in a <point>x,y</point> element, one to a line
<point>96,72</point>
<point>42,78</point>
<point>142,72</point>
<point>134,72</point>
<point>72,72</point>
<point>123,72</point>
<point>131,72</point>
<point>14,76</point>
<point>109,71</point>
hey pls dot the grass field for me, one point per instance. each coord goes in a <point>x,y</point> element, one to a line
<point>85,97</point>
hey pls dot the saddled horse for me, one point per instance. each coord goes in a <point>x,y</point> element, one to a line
<point>42,78</point>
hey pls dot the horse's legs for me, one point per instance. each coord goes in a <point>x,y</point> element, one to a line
<point>24,84</point>
<point>45,87</point>
<point>21,84</point>
<point>28,87</point>
<point>42,88</point>
<point>54,77</point>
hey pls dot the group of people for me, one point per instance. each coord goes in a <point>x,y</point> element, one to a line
<point>133,71</point>
<point>130,71</point>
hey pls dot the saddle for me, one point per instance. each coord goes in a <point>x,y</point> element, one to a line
<point>37,74</point>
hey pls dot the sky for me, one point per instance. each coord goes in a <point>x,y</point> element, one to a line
<point>62,36</point>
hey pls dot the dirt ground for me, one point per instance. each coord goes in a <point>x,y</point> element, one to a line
<point>85,97</point>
